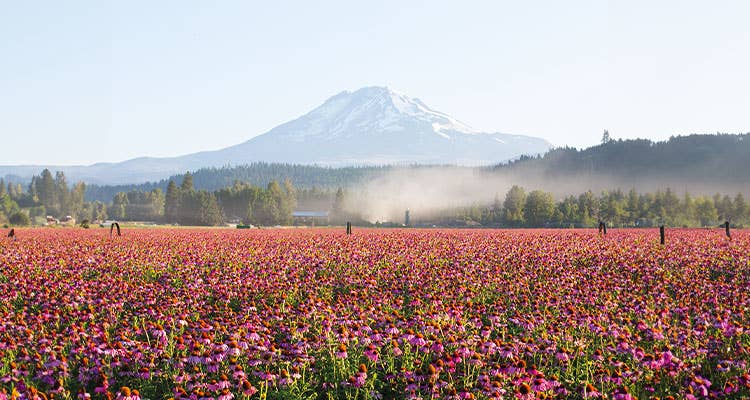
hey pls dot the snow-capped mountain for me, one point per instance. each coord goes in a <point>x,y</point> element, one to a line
<point>370,126</point>
<point>366,112</point>
<point>377,125</point>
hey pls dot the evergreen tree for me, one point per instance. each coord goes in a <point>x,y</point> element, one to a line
<point>705,211</point>
<point>538,208</point>
<point>726,208</point>
<point>47,192</point>
<point>497,209</point>
<point>632,209</point>
<point>612,208</point>
<point>671,206</point>
<point>172,203</point>
<point>119,206</point>
<point>568,212</point>
<point>249,218</point>
<point>288,203</point>
<point>514,203</point>
<point>740,208</point>
<point>76,202</point>
<point>187,183</point>
<point>209,211</point>
<point>99,211</point>
<point>63,194</point>
<point>33,195</point>
<point>588,206</point>
<point>687,210</point>
<point>267,212</point>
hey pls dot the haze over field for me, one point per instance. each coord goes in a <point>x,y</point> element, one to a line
<point>696,164</point>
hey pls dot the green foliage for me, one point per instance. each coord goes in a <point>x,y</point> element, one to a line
<point>19,218</point>
<point>514,203</point>
<point>260,173</point>
<point>199,208</point>
<point>7,205</point>
<point>187,183</point>
<point>587,209</point>
<point>538,208</point>
<point>119,206</point>
<point>139,206</point>
<point>254,205</point>
<point>171,202</point>
<point>267,210</point>
<point>689,159</point>
<point>53,196</point>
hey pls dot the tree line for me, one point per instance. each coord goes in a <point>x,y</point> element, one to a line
<point>183,204</point>
<point>258,174</point>
<point>46,195</point>
<point>537,208</point>
<point>706,159</point>
<point>240,203</point>
<point>245,203</point>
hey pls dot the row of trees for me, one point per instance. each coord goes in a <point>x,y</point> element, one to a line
<point>186,206</point>
<point>538,208</point>
<point>50,194</point>
<point>258,174</point>
<point>240,202</point>
<point>46,195</point>
<point>138,206</point>
<point>10,212</point>
<point>54,193</point>
<point>521,208</point>
<point>183,204</point>
<point>273,205</point>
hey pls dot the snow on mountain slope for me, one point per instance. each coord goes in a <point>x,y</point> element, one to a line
<point>377,125</point>
<point>368,111</point>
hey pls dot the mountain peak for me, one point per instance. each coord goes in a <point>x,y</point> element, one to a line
<point>377,125</point>
<point>381,109</point>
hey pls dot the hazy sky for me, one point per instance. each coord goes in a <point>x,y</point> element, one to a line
<point>88,81</point>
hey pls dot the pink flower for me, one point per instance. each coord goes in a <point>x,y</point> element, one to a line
<point>341,351</point>
<point>371,353</point>
<point>589,391</point>
<point>247,388</point>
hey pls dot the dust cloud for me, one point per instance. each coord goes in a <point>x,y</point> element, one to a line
<point>426,191</point>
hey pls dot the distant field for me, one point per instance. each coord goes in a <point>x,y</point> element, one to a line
<point>314,313</point>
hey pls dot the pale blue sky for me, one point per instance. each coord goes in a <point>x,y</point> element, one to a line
<point>88,81</point>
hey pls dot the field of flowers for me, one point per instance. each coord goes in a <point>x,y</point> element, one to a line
<point>316,314</point>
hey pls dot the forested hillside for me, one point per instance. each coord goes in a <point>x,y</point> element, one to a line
<point>703,164</point>
<point>303,176</point>
<point>718,157</point>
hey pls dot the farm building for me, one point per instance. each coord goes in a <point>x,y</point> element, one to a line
<point>310,218</point>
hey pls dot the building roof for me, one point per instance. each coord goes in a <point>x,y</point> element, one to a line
<point>314,214</point>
